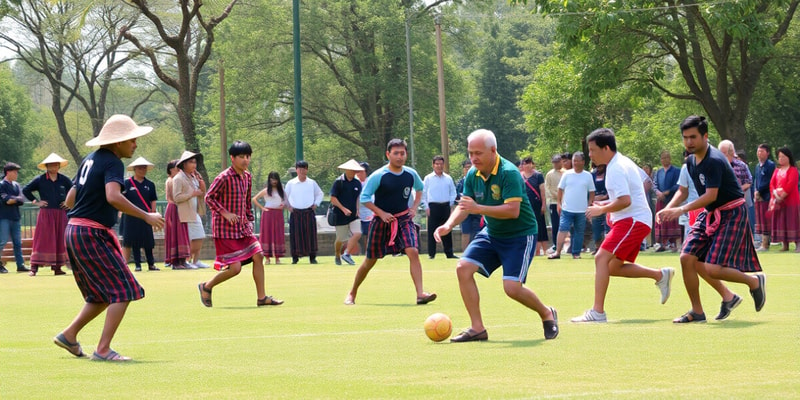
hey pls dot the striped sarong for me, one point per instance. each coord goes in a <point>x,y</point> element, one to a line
<point>176,237</point>
<point>271,234</point>
<point>667,230</point>
<point>731,245</point>
<point>785,224</point>
<point>49,246</point>
<point>380,235</point>
<point>303,232</point>
<point>231,251</point>
<point>100,271</point>
<point>763,221</point>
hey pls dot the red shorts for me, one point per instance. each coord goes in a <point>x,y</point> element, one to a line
<point>625,238</point>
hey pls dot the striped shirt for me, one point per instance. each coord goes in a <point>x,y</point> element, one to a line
<point>231,192</point>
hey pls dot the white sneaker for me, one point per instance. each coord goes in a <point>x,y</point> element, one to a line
<point>190,265</point>
<point>665,284</point>
<point>200,264</point>
<point>591,316</point>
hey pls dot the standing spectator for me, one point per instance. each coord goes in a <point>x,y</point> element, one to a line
<point>364,213</point>
<point>392,230</point>
<point>599,225</point>
<point>666,184</point>
<point>232,218</point>
<point>176,233</point>
<point>764,170</point>
<point>551,181</point>
<point>785,201</point>
<point>493,189</point>
<point>271,235</point>
<point>344,193</point>
<point>719,246</point>
<point>534,187</point>
<point>647,179</point>
<point>438,196</point>
<point>575,193</point>
<point>188,190</point>
<point>743,176</point>
<point>49,247</point>
<point>472,223</point>
<point>101,273</point>
<point>137,234</point>
<point>629,216</point>
<point>303,196</point>
<point>11,198</point>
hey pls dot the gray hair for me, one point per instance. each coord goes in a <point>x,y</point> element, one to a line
<point>488,137</point>
<point>727,144</point>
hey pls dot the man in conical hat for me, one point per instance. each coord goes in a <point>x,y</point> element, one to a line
<point>49,247</point>
<point>100,271</point>
<point>344,193</point>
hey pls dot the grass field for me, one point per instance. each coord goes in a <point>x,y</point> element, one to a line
<point>315,347</point>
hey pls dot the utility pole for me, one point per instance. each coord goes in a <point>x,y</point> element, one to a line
<point>410,89</point>
<point>223,135</point>
<point>298,97</point>
<point>442,110</point>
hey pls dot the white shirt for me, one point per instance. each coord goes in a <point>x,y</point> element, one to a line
<point>438,189</point>
<point>273,201</point>
<point>576,190</point>
<point>685,180</point>
<point>623,179</point>
<point>302,195</point>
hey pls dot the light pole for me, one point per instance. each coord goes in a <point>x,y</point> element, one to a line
<point>410,89</point>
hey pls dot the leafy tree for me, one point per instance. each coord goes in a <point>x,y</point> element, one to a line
<point>16,140</point>
<point>719,49</point>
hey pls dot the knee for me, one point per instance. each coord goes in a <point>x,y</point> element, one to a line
<point>513,289</point>
<point>235,268</point>
<point>687,261</point>
<point>464,270</point>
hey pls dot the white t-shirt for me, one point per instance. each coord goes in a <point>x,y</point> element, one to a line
<point>576,190</point>
<point>623,179</point>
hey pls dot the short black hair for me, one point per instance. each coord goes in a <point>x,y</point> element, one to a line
<point>170,165</point>
<point>239,147</point>
<point>566,156</point>
<point>10,166</point>
<point>396,142</point>
<point>466,162</point>
<point>766,148</point>
<point>301,164</point>
<point>603,137</point>
<point>438,158</point>
<point>695,121</point>
<point>364,165</point>
<point>527,160</point>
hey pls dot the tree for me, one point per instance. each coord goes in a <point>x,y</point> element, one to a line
<point>79,60</point>
<point>190,42</point>
<point>16,141</point>
<point>719,49</point>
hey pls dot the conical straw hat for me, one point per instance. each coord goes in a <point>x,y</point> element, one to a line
<point>141,161</point>
<point>52,158</point>
<point>119,128</point>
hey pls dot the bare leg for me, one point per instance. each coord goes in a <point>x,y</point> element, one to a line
<point>689,269</point>
<point>731,275</point>
<point>608,265</point>
<point>465,271</point>
<point>222,276</point>
<point>415,268</point>
<point>258,275</point>
<point>196,245</point>
<point>562,236</point>
<point>337,249</point>
<point>361,274</point>
<point>114,314</point>
<point>352,244</point>
<point>764,242</point>
<point>528,298</point>
<point>89,312</point>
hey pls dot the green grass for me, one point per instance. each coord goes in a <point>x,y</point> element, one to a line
<point>315,347</point>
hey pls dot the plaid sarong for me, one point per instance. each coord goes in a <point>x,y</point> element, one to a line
<point>231,251</point>
<point>763,219</point>
<point>49,246</point>
<point>303,232</point>
<point>176,237</point>
<point>380,235</point>
<point>730,246</point>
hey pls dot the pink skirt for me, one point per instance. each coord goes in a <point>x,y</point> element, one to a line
<point>176,237</point>
<point>49,246</point>
<point>785,224</point>
<point>763,220</point>
<point>231,251</point>
<point>271,235</point>
<point>669,230</point>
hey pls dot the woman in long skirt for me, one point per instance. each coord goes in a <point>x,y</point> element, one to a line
<point>785,201</point>
<point>272,223</point>
<point>176,234</point>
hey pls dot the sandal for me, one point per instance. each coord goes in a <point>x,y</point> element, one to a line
<point>268,301</point>
<point>112,356</point>
<point>206,300</point>
<point>73,348</point>
<point>426,298</point>
<point>469,335</point>
<point>690,317</point>
<point>554,256</point>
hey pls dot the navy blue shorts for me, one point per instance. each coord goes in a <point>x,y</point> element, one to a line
<point>489,253</point>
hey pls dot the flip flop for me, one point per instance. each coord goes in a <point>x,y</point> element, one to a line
<point>112,356</point>
<point>73,348</point>
<point>268,301</point>
<point>203,299</point>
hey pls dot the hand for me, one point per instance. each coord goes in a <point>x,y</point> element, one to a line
<point>230,217</point>
<point>757,196</point>
<point>197,193</point>
<point>42,203</point>
<point>468,204</point>
<point>385,217</point>
<point>668,214</point>
<point>347,212</point>
<point>412,212</point>
<point>594,211</point>
<point>63,205</point>
<point>442,230</point>
<point>427,212</point>
<point>155,220</point>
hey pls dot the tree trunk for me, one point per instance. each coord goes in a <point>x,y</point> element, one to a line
<point>62,124</point>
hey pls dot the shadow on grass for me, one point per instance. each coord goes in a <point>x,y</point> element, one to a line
<point>519,343</point>
<point>638,321</point>
<point>733,324</point>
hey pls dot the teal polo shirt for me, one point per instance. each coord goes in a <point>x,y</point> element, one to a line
<point>503,185</point>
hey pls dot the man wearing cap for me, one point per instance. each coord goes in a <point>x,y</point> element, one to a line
<point>49,247</point>
<point>344,193</point>
<point>102,275</point>
<point>11,199</point>
<point>188,190</point>
<point>438,195</point>
<point>136,233</point>
<point>303,196</point>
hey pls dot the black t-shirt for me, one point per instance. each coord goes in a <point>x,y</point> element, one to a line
<point>347,192</point>
<point>96,170</point>
<point>714,172</point>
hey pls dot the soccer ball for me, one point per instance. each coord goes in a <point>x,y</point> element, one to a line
<point>438,327</point>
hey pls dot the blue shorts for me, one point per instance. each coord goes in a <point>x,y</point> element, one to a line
<point>514,254</point>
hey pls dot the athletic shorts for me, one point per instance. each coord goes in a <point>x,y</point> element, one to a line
<point>345,232</point>
<point>625,238</point>
<point>489,253</point>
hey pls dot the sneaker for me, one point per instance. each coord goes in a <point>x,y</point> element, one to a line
<point>200,264</point>
<point>591,316</point>
<point>690,317</point>
<point>138,268</point>
<point>727,306</point>
<point>551,327</point>
<point>665,284</point>
<point>3,270</point>
<point>337,261</point>
<point>23,269</point>
<point>760,294</point>
<point>348,259</point>
<point>190,265</point>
